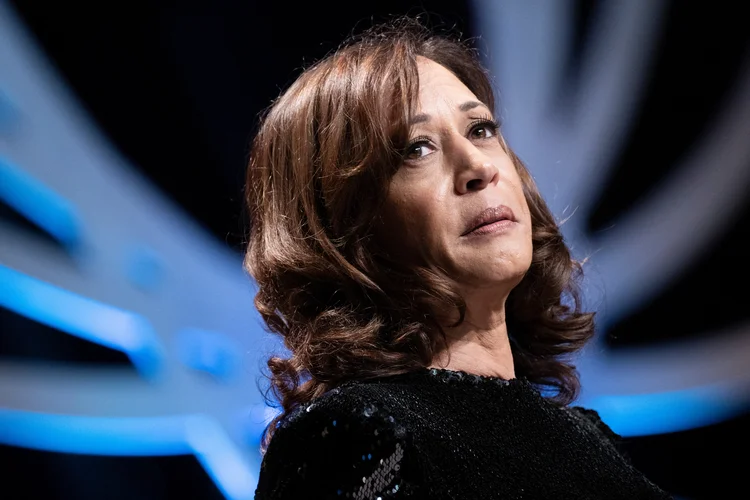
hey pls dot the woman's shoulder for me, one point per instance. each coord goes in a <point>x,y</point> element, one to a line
<point>592,420</point>
<point>350,403</point>
<point>345,441</point>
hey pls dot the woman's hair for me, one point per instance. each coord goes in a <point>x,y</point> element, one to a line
<point>318,174</point>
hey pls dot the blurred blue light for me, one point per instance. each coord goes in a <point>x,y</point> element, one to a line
<point>81,316</point>
<point>94,436</point>
<point>9,114</point>
<point>663,412</point>
<point>144,436</point>
<point>39,204</point>
<point>253,421</point>
<point>144,268</point>
<point>220,458</point>
<point>208,351</point>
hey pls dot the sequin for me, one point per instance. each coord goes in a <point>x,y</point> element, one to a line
<point>382,477</point>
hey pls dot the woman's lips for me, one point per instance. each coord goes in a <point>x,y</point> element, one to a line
<point>488,217</point>
<point>499,226</point>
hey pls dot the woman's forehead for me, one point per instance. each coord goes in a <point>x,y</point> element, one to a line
<point>438,86</point>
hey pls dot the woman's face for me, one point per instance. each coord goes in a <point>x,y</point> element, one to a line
<point>455,169</point>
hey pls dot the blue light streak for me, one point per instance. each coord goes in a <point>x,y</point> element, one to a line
<point>674,411</point>
<point>93,435</point>
<point>39,204</point>
<point>83,317</point>
<point>137,436</point>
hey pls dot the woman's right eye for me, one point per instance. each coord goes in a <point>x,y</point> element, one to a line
<point>418,150</point>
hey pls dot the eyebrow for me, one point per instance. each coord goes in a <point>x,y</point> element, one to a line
<point>468,105</point>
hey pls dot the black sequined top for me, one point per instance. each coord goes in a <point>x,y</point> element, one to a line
<point>445,434</point>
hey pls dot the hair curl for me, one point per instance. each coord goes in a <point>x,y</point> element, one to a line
<point>318,174</point>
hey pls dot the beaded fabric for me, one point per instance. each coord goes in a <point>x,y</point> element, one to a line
<point>446,434</point>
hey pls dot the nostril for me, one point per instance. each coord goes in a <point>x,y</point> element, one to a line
<point>474,184</point>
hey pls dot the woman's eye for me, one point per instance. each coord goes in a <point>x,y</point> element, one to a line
<point>484,131</point>
<point>417,151</point>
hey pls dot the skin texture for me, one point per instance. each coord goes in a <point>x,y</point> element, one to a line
<point>455,167</point>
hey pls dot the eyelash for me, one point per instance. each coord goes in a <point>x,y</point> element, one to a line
<point>479,122</point>
<point>486,122</point>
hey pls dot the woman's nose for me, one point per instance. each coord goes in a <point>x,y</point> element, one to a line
<point>478,173</point>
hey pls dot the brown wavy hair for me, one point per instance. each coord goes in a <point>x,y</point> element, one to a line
<point>318,175</point>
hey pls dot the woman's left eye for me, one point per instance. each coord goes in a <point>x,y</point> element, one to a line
<point>484,130</point>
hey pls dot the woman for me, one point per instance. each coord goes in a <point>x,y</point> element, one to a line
<point>423,288</point>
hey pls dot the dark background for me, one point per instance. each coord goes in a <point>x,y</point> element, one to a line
<point>178,90</point>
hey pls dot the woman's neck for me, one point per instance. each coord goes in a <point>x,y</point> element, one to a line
<point>479,350</point>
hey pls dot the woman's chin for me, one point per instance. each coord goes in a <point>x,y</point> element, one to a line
<point>504,279</point>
